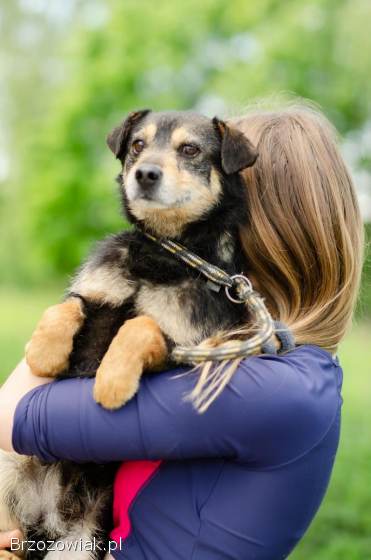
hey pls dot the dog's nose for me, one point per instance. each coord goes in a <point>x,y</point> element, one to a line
<point>148,175</point>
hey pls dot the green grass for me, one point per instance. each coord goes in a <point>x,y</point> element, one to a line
<point>342,528</point>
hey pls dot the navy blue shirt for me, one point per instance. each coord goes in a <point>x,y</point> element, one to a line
<point>241,481</point>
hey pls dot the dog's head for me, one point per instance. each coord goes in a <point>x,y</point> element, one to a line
<point>174,166</point>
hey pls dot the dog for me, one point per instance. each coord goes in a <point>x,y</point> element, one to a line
<point>131,302</point>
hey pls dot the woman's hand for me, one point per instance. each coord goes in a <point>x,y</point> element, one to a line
<point>20,382</point>
<point>6,538</point>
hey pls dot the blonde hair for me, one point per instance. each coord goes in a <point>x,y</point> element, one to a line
<point>303,237</point>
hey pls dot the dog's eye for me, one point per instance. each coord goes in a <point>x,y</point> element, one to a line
<point>189,150</point>
<point>137,147</point>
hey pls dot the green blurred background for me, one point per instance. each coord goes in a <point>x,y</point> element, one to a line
<point>71,69</point>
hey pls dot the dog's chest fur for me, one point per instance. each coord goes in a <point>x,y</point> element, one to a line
<point>177,297</point>
<point>168,307</point>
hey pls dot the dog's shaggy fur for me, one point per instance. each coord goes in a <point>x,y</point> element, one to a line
<point>131,302</point>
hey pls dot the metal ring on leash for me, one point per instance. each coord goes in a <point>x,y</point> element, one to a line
<point>241,280</point>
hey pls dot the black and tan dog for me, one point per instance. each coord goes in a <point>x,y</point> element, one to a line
<point>131,302</point>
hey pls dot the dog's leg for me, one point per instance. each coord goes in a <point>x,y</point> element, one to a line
<point>51,344</point>
<point>138,345</point>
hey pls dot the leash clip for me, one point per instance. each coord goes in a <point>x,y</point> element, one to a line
<point>242,286</point>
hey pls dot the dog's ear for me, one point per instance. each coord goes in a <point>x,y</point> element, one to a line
<point>237,152</point>
<point>117,139</point>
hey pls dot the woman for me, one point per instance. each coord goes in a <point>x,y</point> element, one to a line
<point>245,478</point>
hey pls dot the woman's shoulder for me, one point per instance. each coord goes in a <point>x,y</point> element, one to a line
<point>294,400</point>
<point>307,372</point>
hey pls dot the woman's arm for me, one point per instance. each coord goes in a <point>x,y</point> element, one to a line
<point>20,382</point>
<point>271,412</point>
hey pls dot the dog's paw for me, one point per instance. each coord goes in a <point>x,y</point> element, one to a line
<point>115,386</point>
<point>51,344</point>
<point>46,355</point>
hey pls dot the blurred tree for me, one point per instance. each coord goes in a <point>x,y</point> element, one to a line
<point>31,66</point>
<point>211,56</point>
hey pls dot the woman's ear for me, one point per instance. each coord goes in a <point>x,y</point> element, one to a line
<point>237,152</point>
<point>117,139</point>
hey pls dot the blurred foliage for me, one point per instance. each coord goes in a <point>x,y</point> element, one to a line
<point>214,56</point>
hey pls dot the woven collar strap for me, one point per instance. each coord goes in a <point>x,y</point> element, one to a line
<point>243,293</point>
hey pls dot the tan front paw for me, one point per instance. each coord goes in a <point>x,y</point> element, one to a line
<point>51,344</point>
<point>46,355</point>
<point>115,386</point>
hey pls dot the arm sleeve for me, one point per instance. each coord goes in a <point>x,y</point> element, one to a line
<point>271,412</point>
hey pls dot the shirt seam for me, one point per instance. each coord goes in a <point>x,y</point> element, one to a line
<point>212,490</point>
